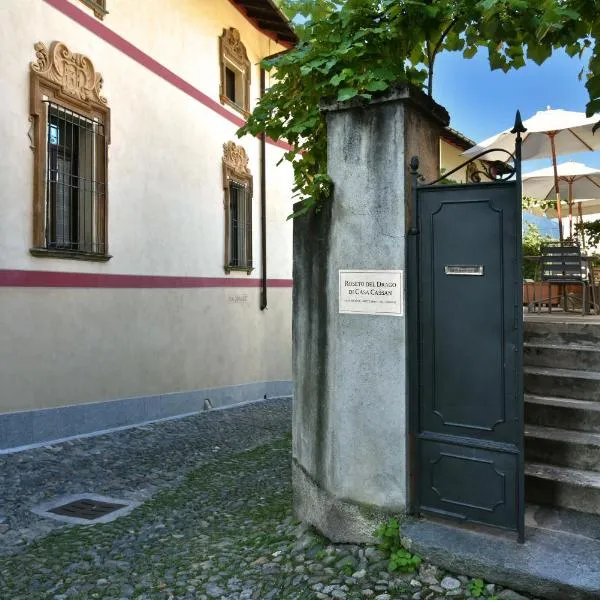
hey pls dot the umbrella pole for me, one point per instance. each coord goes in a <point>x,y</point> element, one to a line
<point>581,225</point>
<point>570,209</point>
<point>556,185</point>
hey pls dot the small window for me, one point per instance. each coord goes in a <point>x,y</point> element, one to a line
<point>230,84</point>
<point>235,71</point>
<point>70,121</point>
<point>240,226</point>
<point>74,185</point>
<point>234,86</point>
<point>237,183</point>
<point>98,6</point>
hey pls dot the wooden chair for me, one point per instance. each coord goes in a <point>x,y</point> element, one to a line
<point>562,264</point>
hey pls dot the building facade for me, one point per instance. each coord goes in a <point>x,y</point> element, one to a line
<point>145,257</point>
<point>452,145</point>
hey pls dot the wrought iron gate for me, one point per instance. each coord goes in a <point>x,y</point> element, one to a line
<point>465,364</point>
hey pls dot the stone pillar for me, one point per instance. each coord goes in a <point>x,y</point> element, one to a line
<point>350,411</point>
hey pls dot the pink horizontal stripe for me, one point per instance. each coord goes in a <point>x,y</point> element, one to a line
<point>55,279</point>
<point>116,41</point>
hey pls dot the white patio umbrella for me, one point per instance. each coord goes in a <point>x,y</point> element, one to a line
<point>583,207</point>
<point>549,133</point>
<point>576,180</point>
<point>587,206</point>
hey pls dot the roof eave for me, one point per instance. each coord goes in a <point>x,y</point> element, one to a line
<point>266,16</point>
<point>457,139</point>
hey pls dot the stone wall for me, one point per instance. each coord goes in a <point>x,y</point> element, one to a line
<point>350,413</point>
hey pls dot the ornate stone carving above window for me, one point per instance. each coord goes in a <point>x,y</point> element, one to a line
<point>70,136</point>
<point>235,71</point>
<point>237,184</point>
<point>98,6</point>
<point>74,74</point>
<point>235,160</point>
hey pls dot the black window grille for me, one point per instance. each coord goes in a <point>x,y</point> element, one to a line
<point>240,226</point>
<point>75,182</point>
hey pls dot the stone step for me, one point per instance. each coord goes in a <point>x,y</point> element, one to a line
<point>580,333</point>
<point>563,487</point>
<point>564,383</point>
<point>562,447</point>
<point>565,356</point>
<point>564,413</point>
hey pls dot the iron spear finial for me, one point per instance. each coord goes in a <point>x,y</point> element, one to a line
<point>518,127</point>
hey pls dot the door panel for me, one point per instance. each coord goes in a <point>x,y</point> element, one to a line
<point>469,483</point>
<point>469,427</point>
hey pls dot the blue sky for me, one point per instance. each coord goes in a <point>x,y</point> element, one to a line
<point>482,102</point>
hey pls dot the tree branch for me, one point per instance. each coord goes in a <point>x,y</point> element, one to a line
<point>444,34</point>
<point>430,70</point>
<point>431,55</point>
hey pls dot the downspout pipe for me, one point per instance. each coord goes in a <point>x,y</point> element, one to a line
<point>263,206</point>
<point>263,192</point>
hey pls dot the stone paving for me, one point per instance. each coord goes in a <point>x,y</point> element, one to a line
<point>215,522</point>
<point>132,464</point>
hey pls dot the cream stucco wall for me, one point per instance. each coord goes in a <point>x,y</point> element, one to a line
<point>183,36</point>
<point>450,158</point>
<point>67,346</point>
<point>166,217</point>
<point>165,178</point>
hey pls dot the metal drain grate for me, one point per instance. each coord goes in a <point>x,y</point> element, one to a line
<point>86,508</point>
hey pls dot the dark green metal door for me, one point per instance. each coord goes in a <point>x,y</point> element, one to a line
<point>466,367</point>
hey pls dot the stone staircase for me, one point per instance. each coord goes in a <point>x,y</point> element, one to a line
<point>562,413</point>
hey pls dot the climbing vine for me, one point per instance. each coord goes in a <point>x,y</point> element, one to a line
<point>591,231</point>
<point>357,48</point>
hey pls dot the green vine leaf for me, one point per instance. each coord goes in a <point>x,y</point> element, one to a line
<point>377,86</point>
<point>356,48</point>
<point>346,94</point>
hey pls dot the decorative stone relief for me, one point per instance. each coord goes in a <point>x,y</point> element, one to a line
<point>73,72</point>
<point>233,48</point>
<point>98,6</point>
<point>236,159</point>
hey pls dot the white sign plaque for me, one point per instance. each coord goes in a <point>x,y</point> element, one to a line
<point>371,292</point>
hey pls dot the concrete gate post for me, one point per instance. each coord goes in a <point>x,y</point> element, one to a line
<point>350,421</point>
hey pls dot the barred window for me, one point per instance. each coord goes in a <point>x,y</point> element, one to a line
<point>240,226</point>
<point>70,143</point>
<point>237,183</point>
<point>75,188</point>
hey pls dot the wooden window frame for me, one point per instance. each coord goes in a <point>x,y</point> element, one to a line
<point>235,169</point>
<point>70,81</point>
<point>232,52</point>
<point>98,6</point>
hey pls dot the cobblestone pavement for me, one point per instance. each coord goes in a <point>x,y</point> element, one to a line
<point>132,464</point>
<point>216,522</point>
